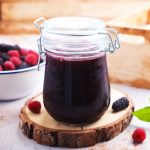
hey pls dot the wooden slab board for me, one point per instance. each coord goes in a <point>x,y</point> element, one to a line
<point>47,131</point>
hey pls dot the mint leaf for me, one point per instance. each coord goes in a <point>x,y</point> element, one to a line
<point>143,114</point>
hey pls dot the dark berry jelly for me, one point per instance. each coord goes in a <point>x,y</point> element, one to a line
<point>76,87</point>
<point>76,91</point>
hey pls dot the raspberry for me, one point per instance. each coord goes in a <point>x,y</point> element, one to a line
<point>23,52</point>
<point>34,53</point>
<point>8,65</point>
<point>34,106</point>
<point>31,59</point>
<point>16,61</point>
<point>139,135</point>
<point>1,69</point>
<point>120,104</point>
<point>12,53</point>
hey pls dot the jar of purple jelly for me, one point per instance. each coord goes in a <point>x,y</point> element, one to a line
<point>76,86</point>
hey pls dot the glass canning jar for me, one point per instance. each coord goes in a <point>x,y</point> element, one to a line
<point>76,86</point>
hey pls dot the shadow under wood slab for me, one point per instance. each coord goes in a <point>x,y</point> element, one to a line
<point>47,131</point>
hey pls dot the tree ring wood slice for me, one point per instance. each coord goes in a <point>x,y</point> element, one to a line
<point>47,131</point>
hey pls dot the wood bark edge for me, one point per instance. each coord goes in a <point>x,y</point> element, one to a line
<point>72,139</point>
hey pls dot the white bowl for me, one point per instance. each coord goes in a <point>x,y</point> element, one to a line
<point>20,83</point>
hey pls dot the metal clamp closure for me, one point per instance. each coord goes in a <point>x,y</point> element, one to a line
<point>113,42</point>
<point>39,24</point>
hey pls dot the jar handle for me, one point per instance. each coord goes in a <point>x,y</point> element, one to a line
<point>113,42</point>
<point>39,24</point>
<point>38,21</point>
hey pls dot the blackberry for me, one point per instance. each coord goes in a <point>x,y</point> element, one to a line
<point>120,104</point>
<point>1,61</point>
<point>16,47</point>
<point>6,47</point>
<point>23,66</point>
<point>22,58</point>
<point>4,56</point>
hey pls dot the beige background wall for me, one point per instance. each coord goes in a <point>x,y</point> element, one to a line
<point>129,65</point>
<point>17,16</point>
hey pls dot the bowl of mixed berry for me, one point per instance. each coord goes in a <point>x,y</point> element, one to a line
<point>21,71</point>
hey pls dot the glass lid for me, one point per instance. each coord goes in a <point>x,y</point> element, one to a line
<point>74,26</point>
<point>78,36</point>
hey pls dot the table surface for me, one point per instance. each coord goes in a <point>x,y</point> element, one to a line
<point>11,137</point>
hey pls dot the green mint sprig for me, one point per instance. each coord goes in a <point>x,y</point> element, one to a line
<point>143,114</point>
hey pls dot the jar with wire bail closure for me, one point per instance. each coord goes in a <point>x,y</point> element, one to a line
<point>76,86</point>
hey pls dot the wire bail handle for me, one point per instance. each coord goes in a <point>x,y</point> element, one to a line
<point>39,24</point>
<point>113,43</point>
